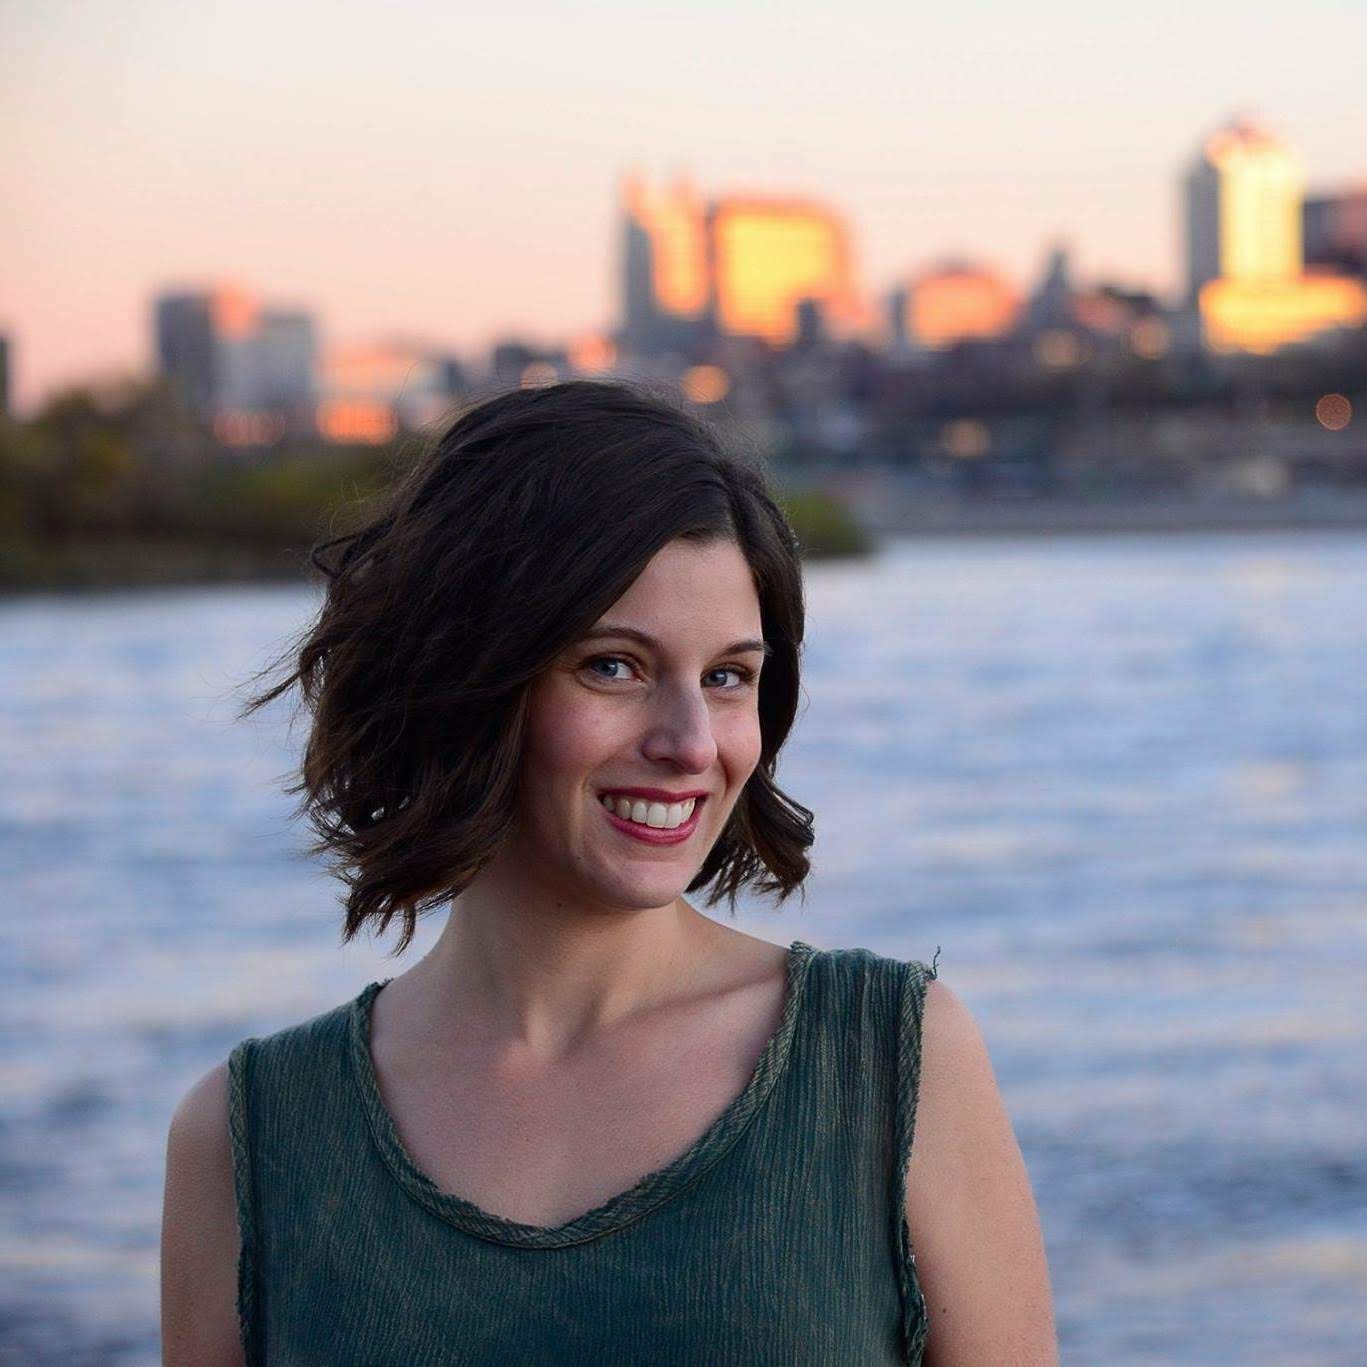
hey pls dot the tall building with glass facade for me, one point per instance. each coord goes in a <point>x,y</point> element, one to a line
<point>1243,208</point>
<point>1246,251</point>
<point>734,266</point>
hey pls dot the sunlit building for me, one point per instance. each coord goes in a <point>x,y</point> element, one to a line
<point>665,288</point>
<point>234,361</point>
<point>735,266</point>
<point>1246,248</point>
<point>1261,317</point>
<point>1244,194</point>
<point>767,256</point>
<point>368,394</point>
<point>957,302</point>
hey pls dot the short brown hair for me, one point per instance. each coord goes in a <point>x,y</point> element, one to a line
<point>521,525</point>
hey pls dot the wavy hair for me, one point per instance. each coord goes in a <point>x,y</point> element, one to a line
<point>496,549</point>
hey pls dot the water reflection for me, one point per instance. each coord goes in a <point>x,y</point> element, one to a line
<point>1121,781</point>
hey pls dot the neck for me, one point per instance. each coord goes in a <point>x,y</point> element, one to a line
<point>534,972</point>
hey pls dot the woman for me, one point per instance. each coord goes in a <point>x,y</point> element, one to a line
<point>549,685</point>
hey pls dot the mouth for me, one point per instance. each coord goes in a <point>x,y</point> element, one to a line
<point>641,830</point>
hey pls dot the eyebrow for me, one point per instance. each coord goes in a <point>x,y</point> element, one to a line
<point>631,634</point>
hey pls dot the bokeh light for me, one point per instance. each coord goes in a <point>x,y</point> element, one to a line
<point>1334,411</point>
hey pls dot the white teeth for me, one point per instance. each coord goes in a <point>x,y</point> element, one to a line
<point>660,815</point>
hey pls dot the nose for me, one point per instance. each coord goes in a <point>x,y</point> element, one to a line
<point>680,730</point>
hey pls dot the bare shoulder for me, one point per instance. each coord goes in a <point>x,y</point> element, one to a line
<point>199,1237</point>
<point>980,1257</point>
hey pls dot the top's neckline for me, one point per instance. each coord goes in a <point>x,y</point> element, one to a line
<point>627,1206</point>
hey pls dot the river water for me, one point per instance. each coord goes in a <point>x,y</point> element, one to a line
<point>1120,781</point>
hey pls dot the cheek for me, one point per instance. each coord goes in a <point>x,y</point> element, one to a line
<point>740,743</point>
<point>566,736</point>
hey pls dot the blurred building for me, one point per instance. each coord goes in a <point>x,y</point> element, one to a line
<point>5,379</point>
<point>735,266</point>
<point>249,370</point>
<point>665,287</point>
<point>370,393</point>
<point>1243,194</point>
<point>286,357</point>
<point>518,363</point>
<point>767,255</point>
<point>955,302</point>
<point>1335,231</point>
<point>1245,252</point>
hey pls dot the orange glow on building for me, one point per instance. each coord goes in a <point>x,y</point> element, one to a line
<point>770,254</point>
<point>1243,207</point>
<point>246,428</point>
<point>674,218</point>
<point>355,420</point>
<point>1150,338</point>
<point>966,439</point>
<point>704,384</point>
<point>369,392</point>
<point>233,312</point>
<point>1261,184</point>
<point>955,303</point>
<point>537,374</point>
<point>1058,349</point>
<point>368,371</point>
<point>591,353</point>
<point>1260,316</point>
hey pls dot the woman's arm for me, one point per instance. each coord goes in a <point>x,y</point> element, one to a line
<point>974,1229</point>
<point>199,1239</point>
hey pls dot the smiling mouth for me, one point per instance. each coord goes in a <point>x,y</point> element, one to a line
<point>660,813</point>
<point>650,813</point>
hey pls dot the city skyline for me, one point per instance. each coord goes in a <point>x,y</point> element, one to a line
<point>301,157</point>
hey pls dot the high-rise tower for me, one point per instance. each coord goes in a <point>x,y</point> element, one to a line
<point>1243,203</point>
<point>665,287</point>
<point>1245,256</point>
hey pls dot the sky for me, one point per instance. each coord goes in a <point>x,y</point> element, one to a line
<point>449,172</point>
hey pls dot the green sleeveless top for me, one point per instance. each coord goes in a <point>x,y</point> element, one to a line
<point>777,1238</point>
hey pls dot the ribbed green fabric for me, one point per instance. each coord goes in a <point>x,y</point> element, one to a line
<point>777,1238</point>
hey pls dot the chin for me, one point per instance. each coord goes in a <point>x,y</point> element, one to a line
<point>641,894</point>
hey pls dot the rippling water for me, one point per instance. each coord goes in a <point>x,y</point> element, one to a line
<point>1121,781</point>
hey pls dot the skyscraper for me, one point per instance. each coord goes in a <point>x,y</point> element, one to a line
<point>738,266</point>
<point>1243,196</point>
<point>665,288</point>
<point>286,360</point>
<point>226,355</point>
<point>767,254</point>
<point>1245,254</point>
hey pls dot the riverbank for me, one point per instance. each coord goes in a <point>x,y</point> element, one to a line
<point>888,510</point>
<point>883,509</point>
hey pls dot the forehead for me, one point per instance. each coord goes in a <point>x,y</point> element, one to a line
<point>693,589</point>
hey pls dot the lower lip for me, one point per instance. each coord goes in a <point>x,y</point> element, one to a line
<point>654,835</point>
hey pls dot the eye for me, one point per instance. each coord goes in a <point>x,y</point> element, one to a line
<point>745,676</point>
<point>607,660</point>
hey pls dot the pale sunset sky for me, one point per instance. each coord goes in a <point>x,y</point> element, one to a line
<point>448,172</point>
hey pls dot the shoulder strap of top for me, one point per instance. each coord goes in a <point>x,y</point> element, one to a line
<point>272,1080</point>
<point>914,976</point>
<point>239,1069</point>
<point>865,1022</point>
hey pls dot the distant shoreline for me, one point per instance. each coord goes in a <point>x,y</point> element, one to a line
<point>886,512</point>
<point>890,511</point>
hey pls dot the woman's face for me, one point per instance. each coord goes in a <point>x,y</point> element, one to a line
<point>661,696</point>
